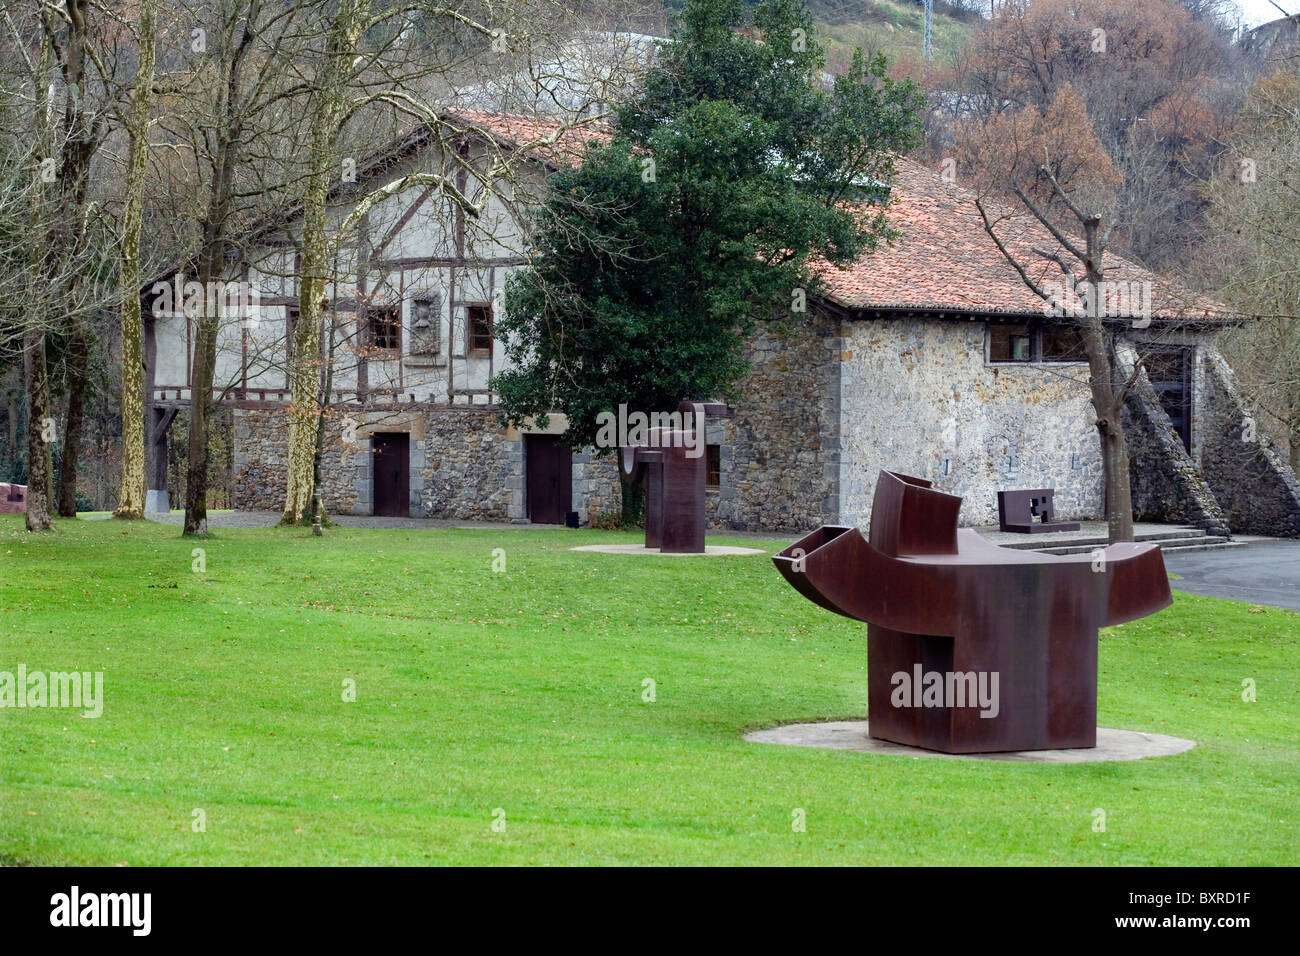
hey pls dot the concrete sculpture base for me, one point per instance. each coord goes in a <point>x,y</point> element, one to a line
<point>710,551</point>
<point>853,735</point>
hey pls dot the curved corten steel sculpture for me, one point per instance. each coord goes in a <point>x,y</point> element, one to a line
<point>674,479</point>
<point>953,617</point>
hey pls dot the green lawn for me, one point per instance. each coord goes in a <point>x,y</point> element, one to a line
<point>522,691</point>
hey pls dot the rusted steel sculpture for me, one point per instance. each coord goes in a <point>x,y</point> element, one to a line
<point>13,499</point>
<point>1030,512</point>
<point>972,648</point>
<point>674,467</point>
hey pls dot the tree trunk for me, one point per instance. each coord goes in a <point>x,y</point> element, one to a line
<point>68,239</point>
<point>211,263</point>
<point>317,508</point>
<point>78,367</point>
<point>633,495</point>
<point>1108,403</point>
<point>304,410</point>
<point>1119,496</point>
<point>131,491</point>
<point>38,418</point>
<point>201,377</point>
<point>196,470</point>
<point>131,494</point>
<point>305,413</point>
<point>1108,392</point>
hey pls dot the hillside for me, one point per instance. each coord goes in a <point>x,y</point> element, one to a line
<point>892,27</point>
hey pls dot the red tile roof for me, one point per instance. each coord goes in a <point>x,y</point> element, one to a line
<point>944,260</point>
<point>515,131</point>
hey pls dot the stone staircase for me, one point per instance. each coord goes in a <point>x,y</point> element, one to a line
<point>1171,539</point>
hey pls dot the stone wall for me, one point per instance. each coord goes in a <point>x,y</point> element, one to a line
<point>464,466</point>
<point>1166,484</point>
<point>470,468</point>
<point>261,440</point>
<point>596,489</point>
<point>919,397</point>
<point>1250,478</point>
<point>779,455</point>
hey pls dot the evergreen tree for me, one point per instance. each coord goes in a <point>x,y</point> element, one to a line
<point>739,167</point>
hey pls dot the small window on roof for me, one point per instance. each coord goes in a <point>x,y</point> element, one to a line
<point>1010,343</point>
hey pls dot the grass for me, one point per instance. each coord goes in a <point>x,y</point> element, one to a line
<point>522,692</point>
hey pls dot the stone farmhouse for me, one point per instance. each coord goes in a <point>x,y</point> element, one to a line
<point>929,356</point>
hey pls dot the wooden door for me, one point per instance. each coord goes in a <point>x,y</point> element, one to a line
<point>392,478</point>
<point>550,479</point>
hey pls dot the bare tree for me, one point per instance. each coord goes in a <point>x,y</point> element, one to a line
<point>1158,87</point>
<point>132,492</point>
<point>1252,255</point>
<point>1059,174</point>
<point>50,51</point>
<point>349,79</point>
<point>238,56</point>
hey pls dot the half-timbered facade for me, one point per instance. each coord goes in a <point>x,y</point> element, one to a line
<point>929,356</point>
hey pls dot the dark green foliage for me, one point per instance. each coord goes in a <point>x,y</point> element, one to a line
<point>725,179</point>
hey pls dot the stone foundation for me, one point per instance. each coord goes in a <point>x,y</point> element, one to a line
<point>261,438</point>
<point>470,468</point>
<point>825,408</point>
<point>464,465</point>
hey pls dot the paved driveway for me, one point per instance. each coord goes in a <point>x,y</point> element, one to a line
<point>1267,572</point>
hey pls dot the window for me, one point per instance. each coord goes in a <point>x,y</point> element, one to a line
<point>291,325</point>
<point>386,327</point>
<point>1010,343</point>
<point>1062,343</point>
<point>713,466</point>
<point>479,319</point>
<point>1034,342</point>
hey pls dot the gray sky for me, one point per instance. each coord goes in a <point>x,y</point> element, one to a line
<point>1255,12</point>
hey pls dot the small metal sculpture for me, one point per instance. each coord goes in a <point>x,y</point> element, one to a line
<point>674,467</point>
<point>1030,512</point>
<point>972,648</point>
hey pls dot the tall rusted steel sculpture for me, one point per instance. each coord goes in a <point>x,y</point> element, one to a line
<point>951,615</point>
<point>674,467</point>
